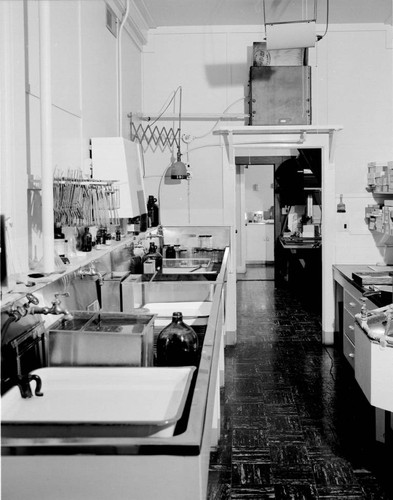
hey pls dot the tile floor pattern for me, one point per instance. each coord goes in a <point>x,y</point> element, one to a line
<point>295,425</point>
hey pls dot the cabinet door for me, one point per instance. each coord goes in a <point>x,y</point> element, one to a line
<point>256,243</point>
<point>270,242</point>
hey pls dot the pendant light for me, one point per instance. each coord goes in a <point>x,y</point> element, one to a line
<point>178,168</point>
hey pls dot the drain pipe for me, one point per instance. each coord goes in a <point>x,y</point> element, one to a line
<point>48,262</point>
<point>119,72</point>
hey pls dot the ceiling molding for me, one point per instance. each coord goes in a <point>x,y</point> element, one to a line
<point>136,25</point>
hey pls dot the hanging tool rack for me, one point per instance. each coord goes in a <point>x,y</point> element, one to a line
<point>85,202</point>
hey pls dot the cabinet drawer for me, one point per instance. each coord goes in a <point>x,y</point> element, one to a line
<point>352,304</point>
<point>349,351</point>
<point>349,325</point>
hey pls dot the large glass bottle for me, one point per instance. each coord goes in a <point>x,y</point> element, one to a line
<point>177,344</point>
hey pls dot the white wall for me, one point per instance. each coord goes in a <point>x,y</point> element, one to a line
<point>351,86</point>
<point>259,186</point>
<point>84,102</point>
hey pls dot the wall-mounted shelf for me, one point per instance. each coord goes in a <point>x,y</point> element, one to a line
<point>379,217</point>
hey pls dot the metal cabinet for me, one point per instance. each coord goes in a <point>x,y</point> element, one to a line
<point>280,95</point>
<point>352,305</point>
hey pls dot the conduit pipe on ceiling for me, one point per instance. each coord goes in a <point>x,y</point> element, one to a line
<point>48,262</point>
<point>119,72</point>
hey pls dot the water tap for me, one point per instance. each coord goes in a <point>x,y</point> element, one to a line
<point>91,271</point>
<point>20,311</point>
<point>23,382</point>
<point>54,309</point>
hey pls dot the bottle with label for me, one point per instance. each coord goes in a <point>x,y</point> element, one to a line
<point>87,241</point>
<point>152,261</point>
<point>177,344</point>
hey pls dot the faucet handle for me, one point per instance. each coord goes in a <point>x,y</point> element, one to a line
<point>32,299</point>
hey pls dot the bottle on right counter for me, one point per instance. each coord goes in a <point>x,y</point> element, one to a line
<point>177,344</point>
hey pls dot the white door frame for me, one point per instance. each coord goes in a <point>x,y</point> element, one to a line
<point>262,141</point>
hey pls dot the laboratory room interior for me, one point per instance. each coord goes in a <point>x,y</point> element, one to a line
<point>196,234</point>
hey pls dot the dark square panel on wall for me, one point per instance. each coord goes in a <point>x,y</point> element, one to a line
<point>280,95</point>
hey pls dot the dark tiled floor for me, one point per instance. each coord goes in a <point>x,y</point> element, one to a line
<point>295,424</point>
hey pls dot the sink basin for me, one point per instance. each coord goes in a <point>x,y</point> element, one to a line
<point>185,266</point>
<point>375,326</point>
<point>102,339</point>
<point>88,402</point>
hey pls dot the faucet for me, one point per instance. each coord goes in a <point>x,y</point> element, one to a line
<point>363,309</point>
<point>18,312</point>
<point>23,382</point>
<point>91,271</point>
<point>56,309</point>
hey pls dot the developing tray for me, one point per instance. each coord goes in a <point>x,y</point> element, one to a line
<point>373,278</point>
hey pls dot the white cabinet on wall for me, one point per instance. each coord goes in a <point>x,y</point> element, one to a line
<point>260,243</point>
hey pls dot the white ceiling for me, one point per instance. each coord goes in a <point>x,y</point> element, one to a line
<point>251,12</point>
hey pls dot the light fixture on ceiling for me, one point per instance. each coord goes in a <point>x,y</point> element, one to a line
<point>178,169</point>
<point>293,34</point>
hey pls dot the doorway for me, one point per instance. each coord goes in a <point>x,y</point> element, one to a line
<point>259,214</point>
<point>291,186</point>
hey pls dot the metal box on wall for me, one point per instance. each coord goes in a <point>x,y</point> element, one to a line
<point>280,95</point>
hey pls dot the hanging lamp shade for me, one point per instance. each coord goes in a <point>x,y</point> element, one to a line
<point>178,169</point>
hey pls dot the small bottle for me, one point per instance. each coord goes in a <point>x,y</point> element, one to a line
<point>152,261</point>
<point>170,252</point>
<point>87,241</point>
<point>177,344</point>
<point>152,211</point>
<point>118,234</point>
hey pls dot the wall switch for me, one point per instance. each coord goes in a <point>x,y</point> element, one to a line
<point>342,223</point>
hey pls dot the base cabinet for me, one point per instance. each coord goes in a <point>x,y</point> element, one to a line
<point>260,243</point>
<point>374,370</point>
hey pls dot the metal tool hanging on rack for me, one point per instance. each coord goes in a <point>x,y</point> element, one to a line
<point>85,202</point>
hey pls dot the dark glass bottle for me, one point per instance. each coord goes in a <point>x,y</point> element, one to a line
<point>177,344</point>
<point>154,256</point>
<point>87,242</point>
<point>170,252</point>
<point>152,212</point>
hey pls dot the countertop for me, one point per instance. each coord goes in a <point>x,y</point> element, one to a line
<point>298,243</point>
<point>346,270</point>
<point>263,223</point>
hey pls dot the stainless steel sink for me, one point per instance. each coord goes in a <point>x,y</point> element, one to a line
<point>102,339</point>
<point>375,326</point>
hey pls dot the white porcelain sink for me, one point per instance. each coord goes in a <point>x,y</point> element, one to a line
<point>146,401</point>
